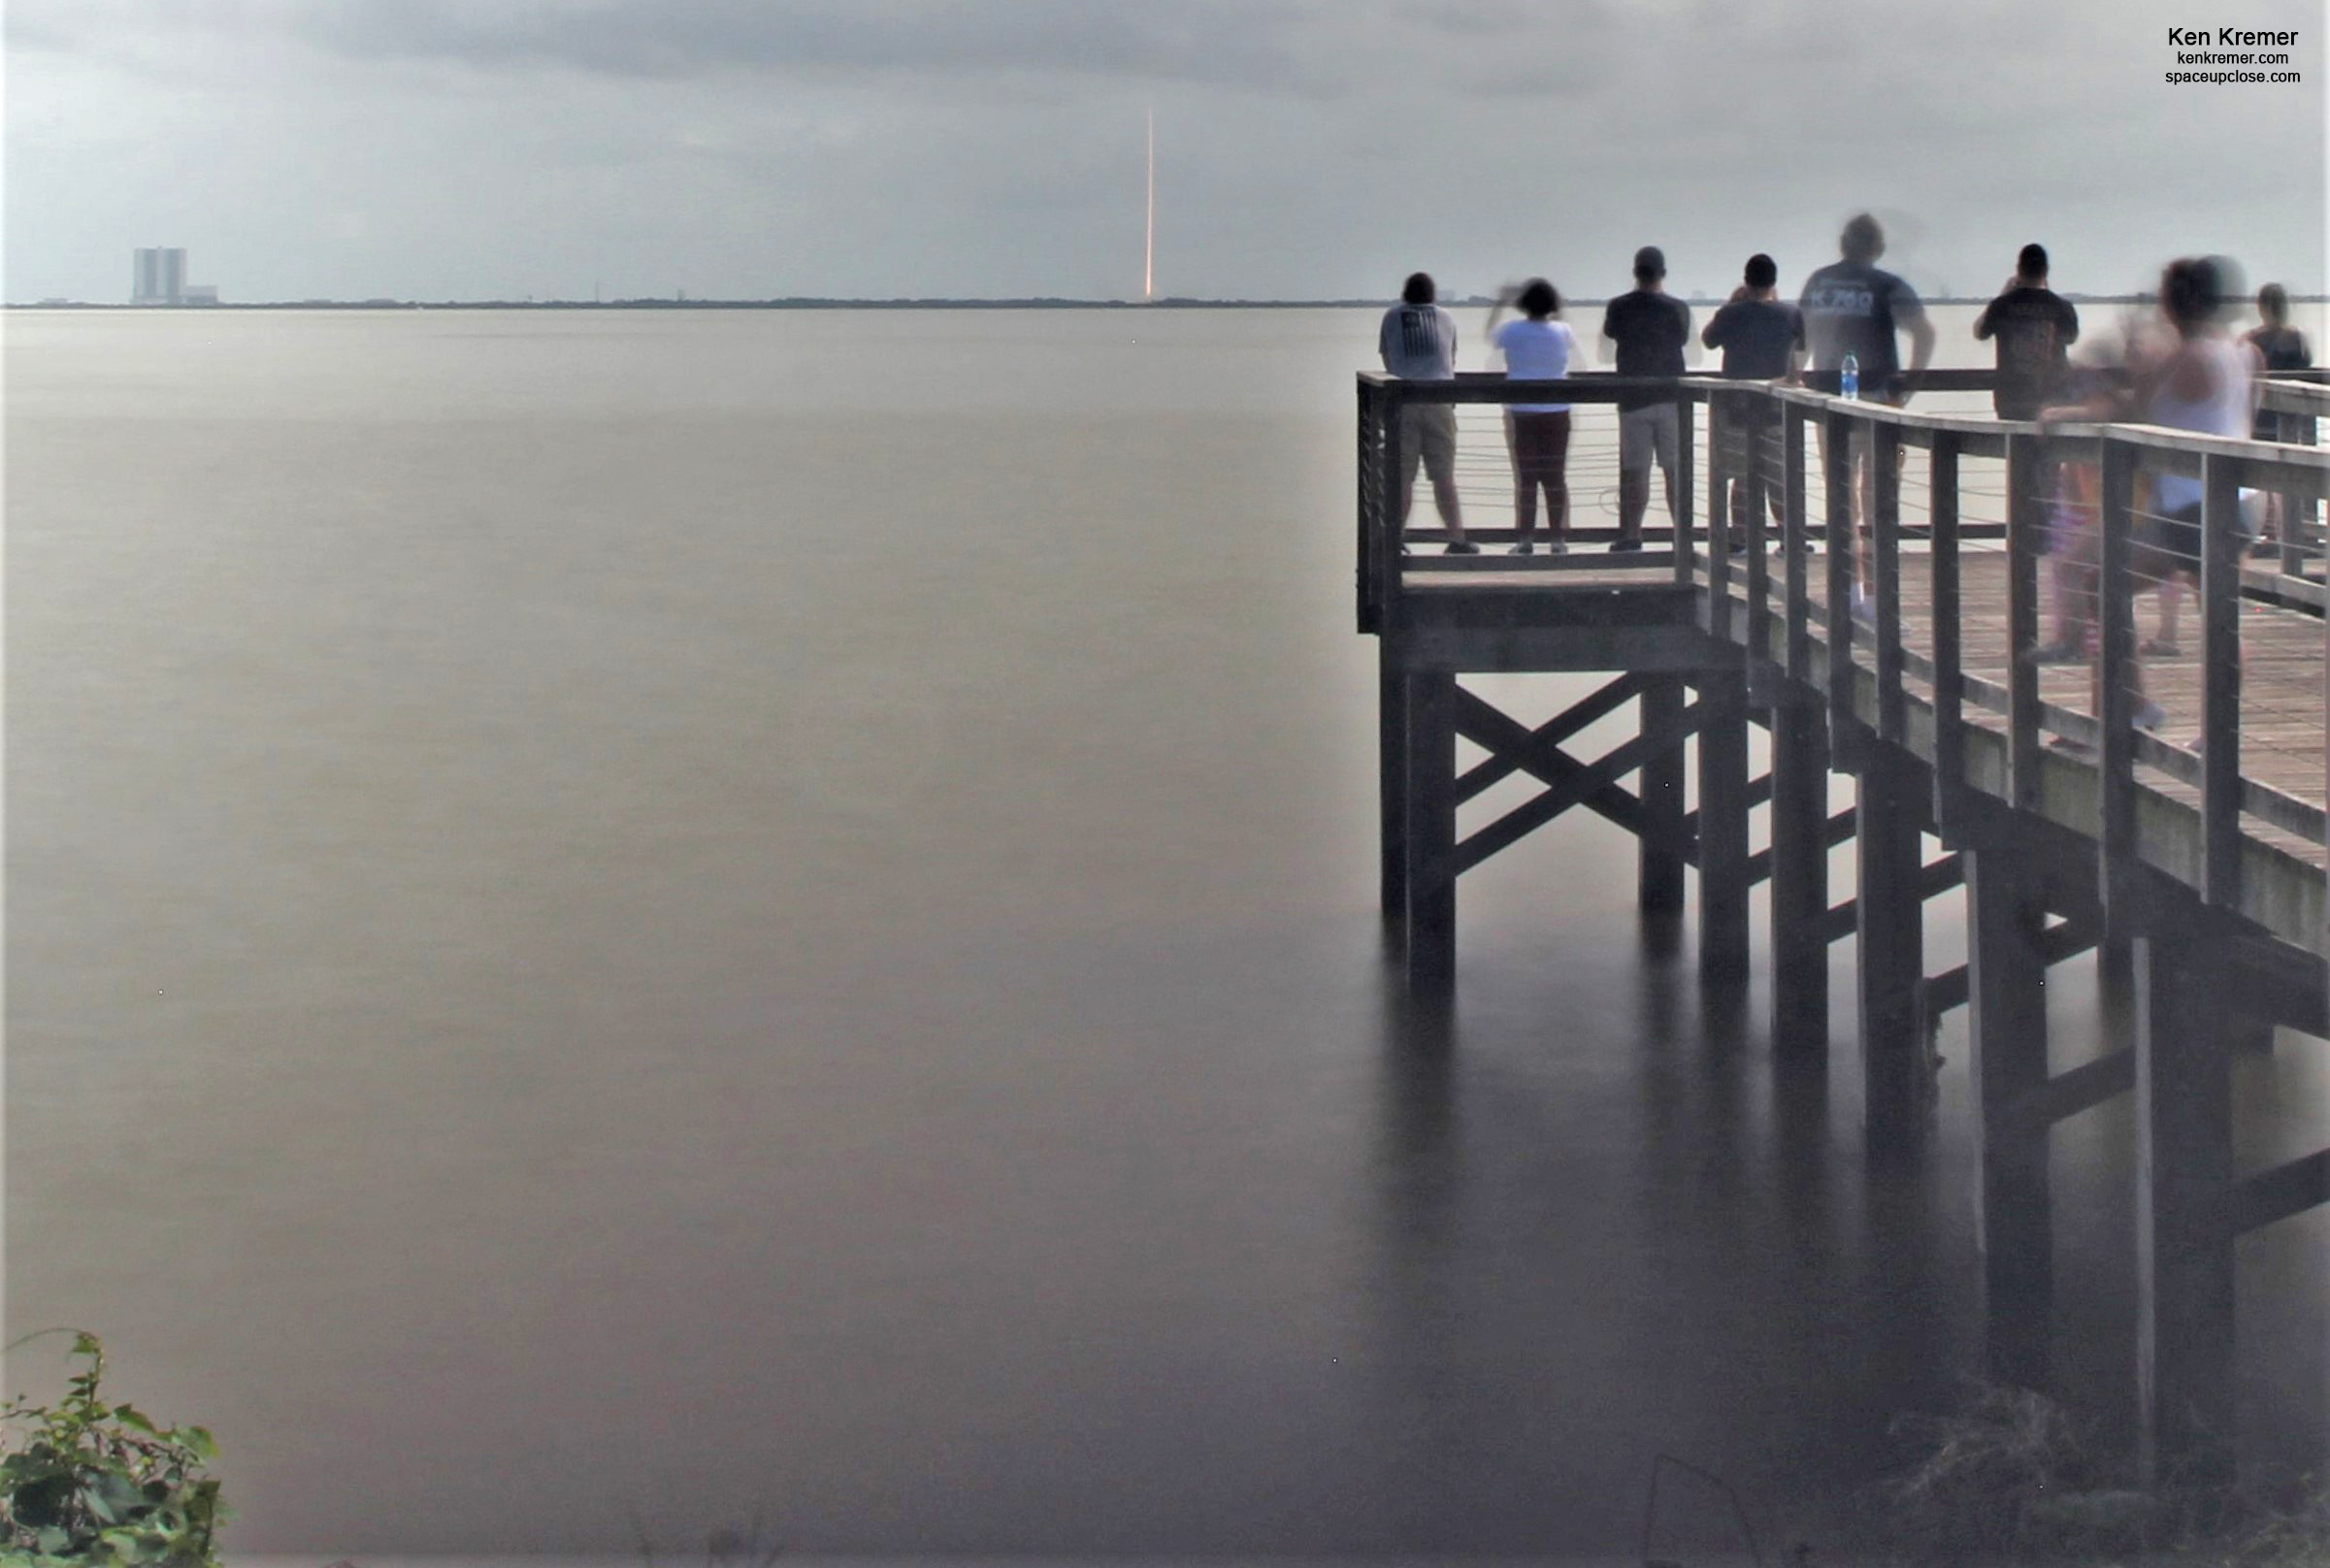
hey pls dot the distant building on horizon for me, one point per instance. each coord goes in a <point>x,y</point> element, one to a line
<point>158,277</point>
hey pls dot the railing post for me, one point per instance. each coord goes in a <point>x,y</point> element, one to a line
<point>1686,462</point>
<point>2297,516</point>
<point>1758,407</point>
<point>2115,711</point>
<point>2025,517</point>
<point>1949,657</point>
<point>1837,426</point>
<point>1393,512</point>
<point>1719,554</point>
<point>2221,682</point>
<point>1682,497</point>
<point>1795,544</point>
<point>1892,709</point>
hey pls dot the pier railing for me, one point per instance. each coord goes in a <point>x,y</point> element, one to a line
<point>1995,627</point>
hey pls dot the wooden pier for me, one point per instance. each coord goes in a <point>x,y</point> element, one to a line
<point>2191,855</point>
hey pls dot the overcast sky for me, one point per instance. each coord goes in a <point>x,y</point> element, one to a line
<point>733,148</point>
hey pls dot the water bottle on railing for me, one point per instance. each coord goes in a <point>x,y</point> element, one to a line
<point>1847,378</point>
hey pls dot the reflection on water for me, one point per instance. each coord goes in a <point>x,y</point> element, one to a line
<point>646,915</point>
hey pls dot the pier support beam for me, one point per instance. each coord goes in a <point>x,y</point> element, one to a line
<point>2006,965</point>
<point>1724,826</point>
<point>2184,1242</point>
<point>1660,707</point>
<point>1889,910</point>
<point>1800,876</point>
<point>1431,832</point>
<point>1391,778</point>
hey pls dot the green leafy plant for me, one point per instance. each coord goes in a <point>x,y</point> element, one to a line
<point>88,1482</point>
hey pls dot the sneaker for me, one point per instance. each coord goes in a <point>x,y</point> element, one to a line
<point>1623,545</point>
<point>1462,548</point>
<point>2061,651</point>
<point>2149,715</point>
<point>1525,547</point>
<point>1557,546</point>
<point>2158,648</point>
<point>1864,608</point>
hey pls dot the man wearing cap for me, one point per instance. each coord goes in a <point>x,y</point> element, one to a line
<point>1648,328</point>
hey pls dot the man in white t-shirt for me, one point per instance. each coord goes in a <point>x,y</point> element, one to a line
<point>1419,344</point>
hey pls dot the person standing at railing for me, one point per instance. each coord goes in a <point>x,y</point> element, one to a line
<point>1853,307</point>
<point>1762,341</point>
<point>1418,343</point>
<point>2279,347</point>
<point>1537,348</point>
<point>1648,328</point>
<point>2033,328</point>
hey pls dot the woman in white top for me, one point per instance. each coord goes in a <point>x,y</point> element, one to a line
<point>1537,348</point>
<point>2191,376</point>
<point>2206,382</point>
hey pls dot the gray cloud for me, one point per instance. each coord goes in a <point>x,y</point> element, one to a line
<point>1195,41</point>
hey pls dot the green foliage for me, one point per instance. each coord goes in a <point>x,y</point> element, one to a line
<point>92,1484</point>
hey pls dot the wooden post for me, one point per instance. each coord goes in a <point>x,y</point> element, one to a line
<point>2183,1244</point>
<point>2006,965</point>
<point>1799,876</point>
<point>1391,776</point>
<point>1722,826</point>
<point>2115,711</point>
<point>1754,490</point>
<point>1884,568</point>
<point>1795,542</point>
<point>1890,918</point>
<point>1719,522</point>
<point>1432,814</point>
<point>2027,515</point>
<point>1949,684</point>
<point>1841,547</point>
<point>2220,684</point>
<point>1662,784</point>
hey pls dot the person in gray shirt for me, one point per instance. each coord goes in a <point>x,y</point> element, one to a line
<point>1418,343</point>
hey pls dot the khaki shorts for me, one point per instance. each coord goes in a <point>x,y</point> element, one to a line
<point>1428,434</point>
<point>1644,433</point>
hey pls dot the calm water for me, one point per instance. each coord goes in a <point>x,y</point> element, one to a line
<point>683,914</point>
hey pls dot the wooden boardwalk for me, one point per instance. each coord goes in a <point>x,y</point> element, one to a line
<point>2188,846</point>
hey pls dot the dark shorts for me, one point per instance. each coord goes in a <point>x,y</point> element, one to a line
<point>2177,535</point>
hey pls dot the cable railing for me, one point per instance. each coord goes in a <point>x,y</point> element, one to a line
<point>2117,625</point>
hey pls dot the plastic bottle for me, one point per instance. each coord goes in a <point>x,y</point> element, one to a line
<point>1847,380</point>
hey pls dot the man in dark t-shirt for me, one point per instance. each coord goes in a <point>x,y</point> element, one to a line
<point>1650,328</point>
<point>1762,341</point>
<point>1852,307</point>
<point>2034,328</point>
